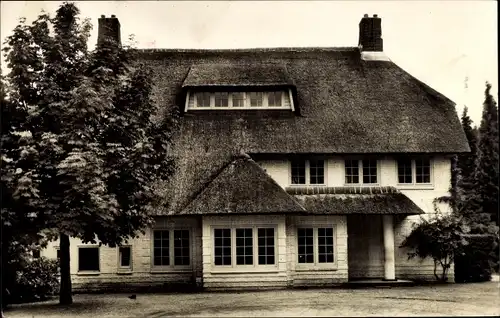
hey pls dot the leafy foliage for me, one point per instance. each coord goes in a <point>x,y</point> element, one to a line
<point>84,142</point>
<point>441,237</point>
<point>478,259</point>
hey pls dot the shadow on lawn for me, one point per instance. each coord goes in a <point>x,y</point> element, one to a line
<point>52,307</point>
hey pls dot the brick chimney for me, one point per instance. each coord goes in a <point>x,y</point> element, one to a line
<point>370,34</point>
<point>108,28</point>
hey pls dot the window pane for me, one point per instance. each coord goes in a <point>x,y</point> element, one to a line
<point>221,99</point>
<point>369,171</point>
<point>305,245</point>
<point>423,171</point>
<point>244,247</point>
<point>266,246</point>
<point>88,258</point>
<point>238,99</point>
<point>202,99</point>
<point>325,245</point>
<point>125,256</point>
<point>256,99</point>
<point>317,171</point>
<point>181,247</point>
<point>58,253</point>
<point>298,172</point>
<point>274,99</point>
<point>351,171</point>
<point>222,246</point>
<point>404,171</point>
<point>161,250</point>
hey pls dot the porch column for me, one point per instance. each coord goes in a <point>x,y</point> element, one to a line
<point>389,263</point>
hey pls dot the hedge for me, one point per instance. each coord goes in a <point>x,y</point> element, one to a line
<point>479,259</point>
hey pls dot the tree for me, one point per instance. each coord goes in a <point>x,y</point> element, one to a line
<point>100,142</point>
<point>441,238</point>
<point>486,173</point>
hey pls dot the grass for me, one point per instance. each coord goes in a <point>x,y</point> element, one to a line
<point>440,300</point>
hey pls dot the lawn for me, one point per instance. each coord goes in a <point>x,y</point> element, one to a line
<point>452,299</point>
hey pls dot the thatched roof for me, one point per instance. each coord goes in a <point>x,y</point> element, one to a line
<point>380,201</point>
<point>264,75</point>
<point>242,187</point>
<point>347,105</point>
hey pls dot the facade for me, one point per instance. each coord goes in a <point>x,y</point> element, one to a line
<point>294,167</point>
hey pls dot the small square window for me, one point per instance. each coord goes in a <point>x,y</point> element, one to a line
<point>256,99</point>
<point>203,99</point>
<point>274,99</point>
<point>221,99</point>
<point>88,259</point>
<point>298,172</point>
<point>125,253</point>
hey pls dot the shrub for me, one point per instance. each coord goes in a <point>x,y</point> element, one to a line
<point>478,260</point>
<point>36,280</point>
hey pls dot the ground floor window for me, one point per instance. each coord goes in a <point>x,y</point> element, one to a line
<point>315,245</point>
<point>249,246</point>
<point>125,257</point>
<point>171,247</point>
<point>88,258</point>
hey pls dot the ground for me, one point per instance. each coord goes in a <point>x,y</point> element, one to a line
<point>451,299</point>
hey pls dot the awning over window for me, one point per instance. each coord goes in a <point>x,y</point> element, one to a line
<point>238,75</point>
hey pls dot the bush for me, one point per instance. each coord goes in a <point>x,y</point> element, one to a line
<point>36,280</point>
<point>479,259</point>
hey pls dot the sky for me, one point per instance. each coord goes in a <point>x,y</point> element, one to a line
<point>449,45</point>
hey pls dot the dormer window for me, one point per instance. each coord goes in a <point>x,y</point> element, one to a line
<point>240,100</point>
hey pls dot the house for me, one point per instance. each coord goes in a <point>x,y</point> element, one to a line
<point>294,167</point>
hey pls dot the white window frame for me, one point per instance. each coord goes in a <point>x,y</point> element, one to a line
<point>414,174</point>
<point>255,249</point>
<point>119,257</point>
<point>316,264</point>
<point>308,173</point>
<point>265,101</point>
<point>89,272</point>
<point>360,170</point>
<point>171,253</point>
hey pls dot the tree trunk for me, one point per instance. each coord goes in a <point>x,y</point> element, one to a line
<point>435,270</point>
<point>65,297</point>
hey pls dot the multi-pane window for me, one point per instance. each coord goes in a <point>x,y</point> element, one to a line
<point>253,246</point>
<point>203,99</point>
<point>315,245</point>
<point>222,246</point>
<point>221,99</point>
<point>125,256</point>
<point>88,258</point>
<point>364,170</point>
<point>274,99</point>
<point>308,172</point>
<point>351,171</point>
<point>244,247</point>
<point>181,247</point>
<point>171,247</point>
<point>414,171</point>
<point>265,237</point>
<point>238,99</point>
<point>256,99</point>
<point>161,248</point>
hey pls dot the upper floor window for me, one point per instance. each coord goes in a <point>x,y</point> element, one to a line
<point>414,171</point>
<point>233,100</point>
<point>310,172</point>
<point>361,170</point>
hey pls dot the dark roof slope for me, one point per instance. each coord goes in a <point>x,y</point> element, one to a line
<point>237,75</point>
<point>242,187</point>
<point>347,105</point>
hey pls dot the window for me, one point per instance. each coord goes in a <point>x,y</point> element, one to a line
<point>315,245</point>
<point>58,252</point>
<point>312,171</point>
<point>256,99</point>
<point>238,100</point>
<point>171,245</point>
<point>36,253</point>
<point>266,248</point>
<point>125,257</point>
<point>416,171</point>
<point>274,99</point>
<point>88,258</point>
<point>253,246</point>
<point>221,99</point>
<point>203,99</point>
<point>364,170</point>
